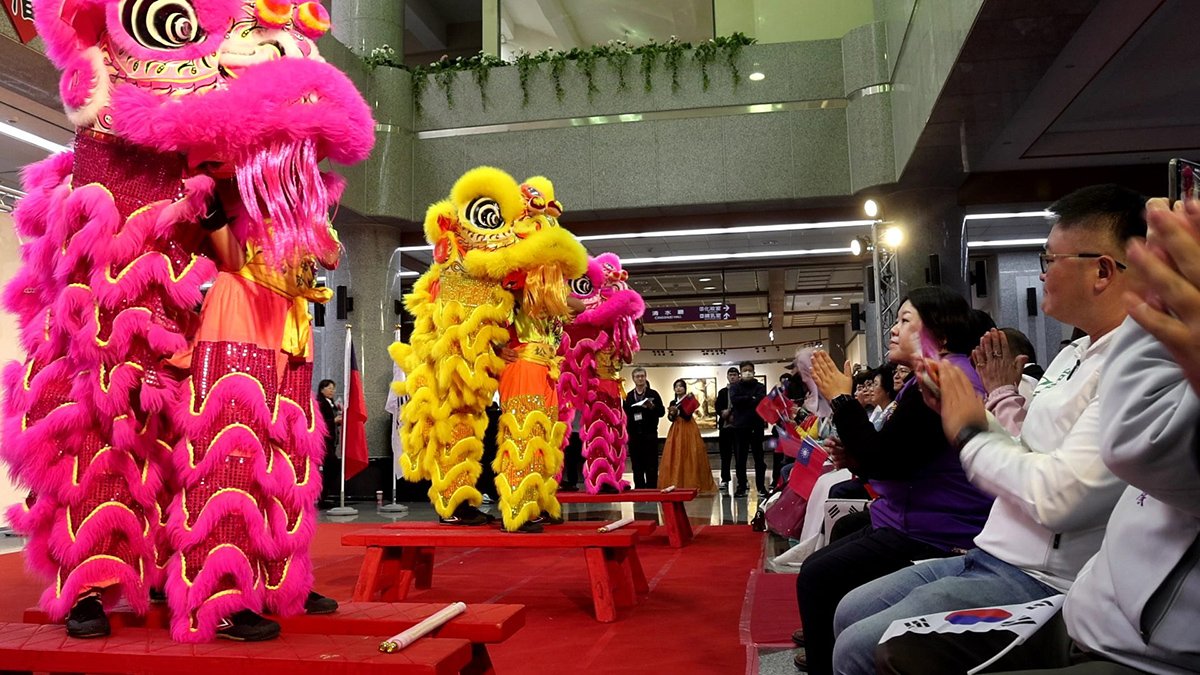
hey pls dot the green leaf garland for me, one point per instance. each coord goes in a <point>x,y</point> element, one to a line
<point>617,53</point>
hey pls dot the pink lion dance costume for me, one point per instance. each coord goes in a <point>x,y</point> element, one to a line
<point>597,342</point>
<point>152,465</point>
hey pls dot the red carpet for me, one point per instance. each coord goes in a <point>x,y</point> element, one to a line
<point>773,611</point>
<point>690,622</point>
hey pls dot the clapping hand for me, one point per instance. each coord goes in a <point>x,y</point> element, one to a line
<point>837,453</point>
<point>1167,302</point>
<point>960,403</point>
<point>995,361</point>
<point>831,382</point>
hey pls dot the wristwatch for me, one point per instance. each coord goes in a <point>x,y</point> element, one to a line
<point>841,400</point>
<point>966,434</point>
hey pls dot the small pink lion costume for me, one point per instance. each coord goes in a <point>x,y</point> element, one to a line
<point>147,470</point>
<point>597,342</point>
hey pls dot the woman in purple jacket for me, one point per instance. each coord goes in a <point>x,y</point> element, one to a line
<point>926,507</point>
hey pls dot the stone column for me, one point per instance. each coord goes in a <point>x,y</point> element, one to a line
<point>363,25</point>
<point>933,225</point>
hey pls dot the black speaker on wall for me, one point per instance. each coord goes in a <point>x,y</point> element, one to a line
<point>1031,302</point>
<point>979,279</point>
<point>870,284</point>
<point>933,273</point>
<point>857,317</point>
<point>397,307</point>
<point>345,303</point>
<point>318,314</point>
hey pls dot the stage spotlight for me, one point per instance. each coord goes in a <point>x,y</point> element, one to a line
<point>871,208</point>
<point>859,245</point>
<point>893,237</point>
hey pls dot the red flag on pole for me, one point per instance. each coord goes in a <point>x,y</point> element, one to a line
<point>354,439</point>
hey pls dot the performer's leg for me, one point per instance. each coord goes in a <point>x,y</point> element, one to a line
<point>726,444</point>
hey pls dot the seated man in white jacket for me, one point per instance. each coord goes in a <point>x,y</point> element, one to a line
<point>1135,606</point>
<point>1054,494</point>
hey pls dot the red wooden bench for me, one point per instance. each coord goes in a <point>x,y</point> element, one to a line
<point>481,624</point>
<point>144,651</point>
<point>679,528</point>
<point>399,558</point>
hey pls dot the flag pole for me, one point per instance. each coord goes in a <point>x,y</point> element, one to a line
<point>394,507</point>
<point>341,509</point>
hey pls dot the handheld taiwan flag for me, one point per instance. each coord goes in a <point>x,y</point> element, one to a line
<point>354,432</point>
<point>810,464</point>
<point>775,407</point>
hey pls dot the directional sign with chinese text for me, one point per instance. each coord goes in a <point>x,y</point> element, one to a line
<point>691,314</point>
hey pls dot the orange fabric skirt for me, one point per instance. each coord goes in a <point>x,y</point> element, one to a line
<point>525,386</point>
<point>685,459</point>
<point>238,310</point>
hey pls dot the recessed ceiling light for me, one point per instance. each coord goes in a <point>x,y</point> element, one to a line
<point>717,302</point>
<point>1000,243</point>
<point>757,77</point>
<point>703,279</point>
<point>739,254</point>
<point>32,139</point>
<point>710,288</point>
<point>834,304</point>
<point>837,297</point>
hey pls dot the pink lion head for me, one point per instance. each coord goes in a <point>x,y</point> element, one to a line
<point>606,295</point>
<point>237,87</point>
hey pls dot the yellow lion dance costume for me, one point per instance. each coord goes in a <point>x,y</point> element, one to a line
<point>488,316</point>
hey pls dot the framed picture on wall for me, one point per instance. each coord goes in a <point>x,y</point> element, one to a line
<point>763,379</point>
<point>705,391</point>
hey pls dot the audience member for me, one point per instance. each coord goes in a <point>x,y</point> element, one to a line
<point>1134,605</point>
<point>926,507</point>
<point>643,409</point>
<point>900,376</point>
<point>744,396</point>
<point>1021,346</point>
<point>725,425</point>
<point>1053,492</point>
<point>685,456</point>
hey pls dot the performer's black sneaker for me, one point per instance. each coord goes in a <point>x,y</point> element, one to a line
<point>547,519</point>
<point>246,626</point>
<point>529,527</point>
<point>87,619</point>
<point>466,514</point>
<point>319,604</point>
<point>609,489</point>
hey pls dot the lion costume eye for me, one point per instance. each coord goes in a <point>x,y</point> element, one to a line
<point>160,24</point>
<point>484,213</point>
<point>581,287</point>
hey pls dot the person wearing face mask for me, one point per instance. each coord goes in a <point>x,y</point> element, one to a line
<point>643,409</point>
<point>744,396</point>
<point>926,507</point>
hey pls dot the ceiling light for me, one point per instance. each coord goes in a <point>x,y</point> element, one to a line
<point>740,229</point>
<point>406,273</point>
<point>710,288</point>
<point>32,139</point>
<point>1001,216</point>
<point>716,303</point>
<point>406,249</point>
<point>703,279</point>
<point>757,77</point>
<point>837,297</point>
<point>834,304</point>
<point>999,243</point>
<point>859,245</point>
<point>735,254</point>
<point>871,208</point>
<point>893,237</point>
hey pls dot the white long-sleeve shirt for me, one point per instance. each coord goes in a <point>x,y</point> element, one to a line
<point>1054,494</point>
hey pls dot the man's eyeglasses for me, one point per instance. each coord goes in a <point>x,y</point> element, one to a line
<point>1048,258</point>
